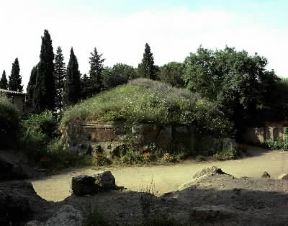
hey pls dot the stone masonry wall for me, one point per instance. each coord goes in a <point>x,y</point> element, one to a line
<point>112,138</point>
<point>92,137</point>
<point>263,134</point>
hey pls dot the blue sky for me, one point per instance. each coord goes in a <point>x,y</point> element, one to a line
<point>120,28</point>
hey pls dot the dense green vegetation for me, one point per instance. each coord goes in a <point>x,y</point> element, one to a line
<point>219,92</point>
<point>9,123</point>
<point>144,100</point>
<point>237,82</point>
<point>40,139</point>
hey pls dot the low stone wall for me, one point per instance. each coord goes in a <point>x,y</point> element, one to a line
<point>262,134</point>
<point>113,138</point>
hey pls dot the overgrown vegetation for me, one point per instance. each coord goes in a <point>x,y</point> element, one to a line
<point>40,139</point>
<point>222,92</point>
<point>279,144</point>
<point>144,100</point>
<point>9,123</point>
<point>237,82</point>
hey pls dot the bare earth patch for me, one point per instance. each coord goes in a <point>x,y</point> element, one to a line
<point>165,179</point>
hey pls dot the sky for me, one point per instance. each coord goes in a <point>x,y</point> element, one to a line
<point>119,30</point>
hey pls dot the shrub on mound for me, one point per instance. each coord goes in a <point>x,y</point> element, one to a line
<point>9,123</point>
<point>147,101</point>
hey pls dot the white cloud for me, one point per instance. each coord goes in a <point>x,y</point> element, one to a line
<point>172,34</point>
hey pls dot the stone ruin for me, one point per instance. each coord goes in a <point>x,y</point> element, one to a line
<point>114,138</point>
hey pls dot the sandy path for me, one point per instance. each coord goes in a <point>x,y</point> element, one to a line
<point>168,178</point>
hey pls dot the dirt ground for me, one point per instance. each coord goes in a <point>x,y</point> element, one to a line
<point>163,179</point>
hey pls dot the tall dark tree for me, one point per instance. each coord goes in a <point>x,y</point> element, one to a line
<point>3,81</point>
<point>15,78</point>
<point>85,86</point>
<point>44,95</point>
<point>96,69</point>
<point>147,68</point>
<point>59,75</point>
<point>72,84</point>
<point>31,88</point>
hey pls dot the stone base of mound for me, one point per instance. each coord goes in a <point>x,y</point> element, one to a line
<point>115,137</point>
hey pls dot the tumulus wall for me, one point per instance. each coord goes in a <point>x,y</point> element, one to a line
<point>112,138</point>
<point>261,135</point>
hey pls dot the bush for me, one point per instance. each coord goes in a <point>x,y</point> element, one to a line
<point>101,160</point>
<point>132,157</point>
<point>9,123</point>
<point>276,144</point>
<point>226,154</point>
<point>37,131</point>
<point>57,157</point>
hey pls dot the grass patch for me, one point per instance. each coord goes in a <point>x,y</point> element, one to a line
<point>226,154</point>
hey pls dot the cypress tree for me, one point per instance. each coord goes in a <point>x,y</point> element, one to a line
<point>85,86</point>
<point>15,78</point>
<point>147,68</point>
<point>72,83</point>
<point>44,95</point>
<point>3,81</point>
<point>96,69</point>
<point>59,75</point>
<point>31,87</point>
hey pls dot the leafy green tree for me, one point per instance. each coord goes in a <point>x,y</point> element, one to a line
<point>72,83</point>
<point>31,88</point>
<point>117,75</point>
<point>15,78</point>
<point>124,70</point>
<point>45,92</point>
<point>172,73</point>
<point>96,69</point>
<point>238,82</point>
<point>147,68</point>
<point>59,75</point>
<point>3,81</point>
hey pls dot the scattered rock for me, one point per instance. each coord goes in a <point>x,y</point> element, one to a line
<point>66,215</point>
<point>89,185</point>
<point>84,185</point>
<point>119,150</point>
<point>10,171</point>
<point>265,175</point>
<point>210,171</point>
<point>105,180</point>
<point>210,214</point>
<point>283,176</point>
<point>15,208</point>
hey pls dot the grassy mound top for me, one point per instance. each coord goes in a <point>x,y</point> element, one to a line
<point>146,101</point>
